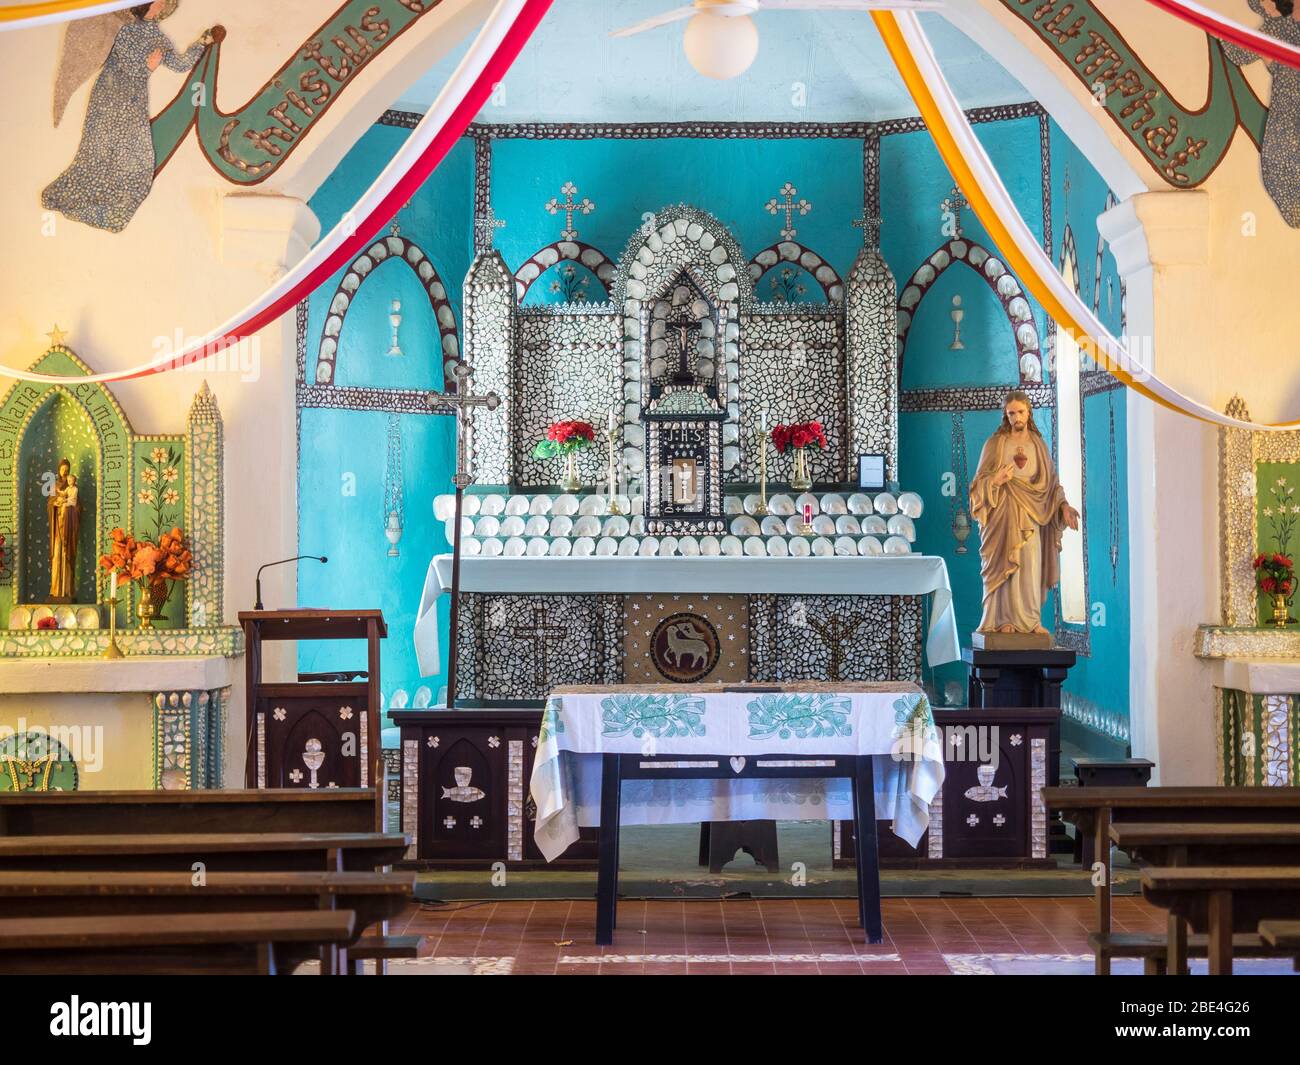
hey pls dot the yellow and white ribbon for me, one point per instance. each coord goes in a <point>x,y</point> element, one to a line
<point>48,12</point>
<point>975,175</point>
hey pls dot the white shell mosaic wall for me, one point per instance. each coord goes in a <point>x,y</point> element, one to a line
<point>557,526</point>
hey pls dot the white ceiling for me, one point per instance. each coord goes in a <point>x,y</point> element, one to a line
<point>572,71</point>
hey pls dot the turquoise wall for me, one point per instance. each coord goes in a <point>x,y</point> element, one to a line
<point>733,179</point>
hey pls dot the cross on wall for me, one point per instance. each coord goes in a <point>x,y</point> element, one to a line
<point>570,208</point>
<point>790,206</point>
<point>870,226</point>
<point>485,227</point>
<point>539,636</point>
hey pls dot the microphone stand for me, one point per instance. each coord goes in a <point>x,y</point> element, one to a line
<point>257,581</point>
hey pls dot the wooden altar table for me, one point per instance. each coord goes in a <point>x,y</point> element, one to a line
<point>673,754</point>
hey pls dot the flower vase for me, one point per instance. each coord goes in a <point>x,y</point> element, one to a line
<point>146,611</point>
<point>1281,614</point>
<point>799,479</point>
<point>571,482</point>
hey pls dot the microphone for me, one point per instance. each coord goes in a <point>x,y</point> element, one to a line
<point>258,579</point>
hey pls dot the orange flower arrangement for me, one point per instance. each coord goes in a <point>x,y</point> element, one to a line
<point>152,565</point>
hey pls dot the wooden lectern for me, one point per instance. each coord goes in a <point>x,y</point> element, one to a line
<point>314,733</point>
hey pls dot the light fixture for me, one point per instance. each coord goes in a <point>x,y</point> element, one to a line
<point>720,47</point>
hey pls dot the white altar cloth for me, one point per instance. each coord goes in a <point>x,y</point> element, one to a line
<point>830,575</point>
<point>891,722</point>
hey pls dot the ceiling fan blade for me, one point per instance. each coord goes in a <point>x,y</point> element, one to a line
<point>676,15</point>
<point>850,5</point>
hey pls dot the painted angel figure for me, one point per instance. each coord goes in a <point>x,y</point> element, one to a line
<point>1280,152</point>
<point>113,170</point>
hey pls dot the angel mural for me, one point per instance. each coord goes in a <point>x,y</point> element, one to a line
<point>113,170</point>
<point>1280,152</point>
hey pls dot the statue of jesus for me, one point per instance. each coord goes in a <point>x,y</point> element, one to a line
<point>1021,508</point>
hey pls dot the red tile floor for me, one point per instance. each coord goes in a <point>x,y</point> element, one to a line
<point>741,936</point>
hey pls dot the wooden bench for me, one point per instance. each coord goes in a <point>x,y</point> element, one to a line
<point>381,950</point>
<point>1178,844</point>
<point>373,897</point>
<point>78,813</point>
<point>1092,810</point>
<point>217,851</point>
<point>1223,901</point>
<point>1282,935</point>
<point>176,943</point>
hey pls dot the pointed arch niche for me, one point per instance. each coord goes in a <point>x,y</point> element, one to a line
<point>1005,288</point>
<point>120,479</point>
<point>393,247</point>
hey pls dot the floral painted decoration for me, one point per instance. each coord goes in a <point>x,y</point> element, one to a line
<point>798,435</point>
<point>564,438</point>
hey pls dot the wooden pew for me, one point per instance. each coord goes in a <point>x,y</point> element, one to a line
<point>1175,844</point>
<point>1282,935</point>
<point>1093,810</point>
<point>56,813</point>
<point>1221,901</point>
<point>372,897</point>
<point>175,943</point>
<point>217,851</point>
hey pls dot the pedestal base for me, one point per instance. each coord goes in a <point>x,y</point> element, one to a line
<point>1011,641</point>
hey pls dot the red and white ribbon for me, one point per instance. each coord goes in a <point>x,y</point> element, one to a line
<point>1226,29</point>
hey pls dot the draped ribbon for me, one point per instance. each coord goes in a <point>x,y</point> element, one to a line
<point>1225,29</point>
<point>974,173</point>
<point>500,40</point>
<point>24,16</point>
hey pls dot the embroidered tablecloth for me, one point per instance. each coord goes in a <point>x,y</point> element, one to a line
<point>891,722</point>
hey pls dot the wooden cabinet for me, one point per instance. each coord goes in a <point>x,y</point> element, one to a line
<point>464,787</point>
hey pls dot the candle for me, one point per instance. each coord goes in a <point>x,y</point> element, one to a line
<point>611,417</point>
<point>112,585</point>
<point>764,421</point>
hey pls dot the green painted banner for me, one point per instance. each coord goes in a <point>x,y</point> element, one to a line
<point>248,145</point>
<point>1182,145</point>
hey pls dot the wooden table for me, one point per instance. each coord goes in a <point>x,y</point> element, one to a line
<point>55,813</point>
<point>1093,810</point>
<point>1180,844</point>
<point>217,851</point>
<point>1222,901</point>
<point>213,943</point>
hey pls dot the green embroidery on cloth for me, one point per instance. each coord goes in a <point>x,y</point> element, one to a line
<point>802,716</point>
<point>662,716</point>
<point>552,723</point>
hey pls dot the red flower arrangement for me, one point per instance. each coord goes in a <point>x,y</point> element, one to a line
<point>47,623</point>
<point>563,438</point>
<point>799,435</point>
<point>1275,574</point>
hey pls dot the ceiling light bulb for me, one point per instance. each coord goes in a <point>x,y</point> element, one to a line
<point>719,46</point>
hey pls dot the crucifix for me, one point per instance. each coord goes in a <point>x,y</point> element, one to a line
<point>569,207</point>
<point>463,403</point>
<point>684,326</point>
<point>539,634</point>
<point>485,225</point>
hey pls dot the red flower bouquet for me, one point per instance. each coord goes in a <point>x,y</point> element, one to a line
<point>799,435</point>
<point>564,438</point>
<point>1275,574</point>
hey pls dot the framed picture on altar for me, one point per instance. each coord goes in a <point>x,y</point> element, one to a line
<point>871,472</point>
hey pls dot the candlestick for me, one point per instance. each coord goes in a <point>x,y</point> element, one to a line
<point>614,508</point>
<point>761,509</point>
<point>112,650</point>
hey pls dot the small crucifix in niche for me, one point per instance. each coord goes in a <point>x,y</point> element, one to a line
<point>683,326</point>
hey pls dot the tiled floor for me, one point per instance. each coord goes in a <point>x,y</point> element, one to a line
<point>739,936</point>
